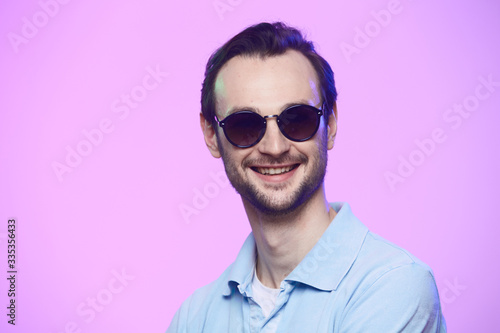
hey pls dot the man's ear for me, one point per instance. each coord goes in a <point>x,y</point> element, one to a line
<point>332,126</point>
<point>210,136</point>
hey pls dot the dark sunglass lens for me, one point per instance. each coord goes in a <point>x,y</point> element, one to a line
<point>244,128</point>
<point>299,122</point>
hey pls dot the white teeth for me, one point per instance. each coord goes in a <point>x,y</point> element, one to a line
<point>274,171</point>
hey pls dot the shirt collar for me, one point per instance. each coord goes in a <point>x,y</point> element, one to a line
<point>240,273</point>
<point>324,266</point>
<point>330,259</point>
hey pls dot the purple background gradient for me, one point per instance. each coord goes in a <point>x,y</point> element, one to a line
<point>66,67</point>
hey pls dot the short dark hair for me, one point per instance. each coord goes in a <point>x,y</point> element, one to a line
<point>266,40</point>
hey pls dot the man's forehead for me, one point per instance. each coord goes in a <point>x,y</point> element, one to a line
<point>252,79</point>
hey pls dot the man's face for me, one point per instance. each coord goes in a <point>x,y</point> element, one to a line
<point>276,175</point>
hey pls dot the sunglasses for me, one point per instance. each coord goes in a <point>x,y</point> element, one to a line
<point>245,129</point>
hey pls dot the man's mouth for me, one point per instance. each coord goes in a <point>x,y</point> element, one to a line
<point>274,171</point>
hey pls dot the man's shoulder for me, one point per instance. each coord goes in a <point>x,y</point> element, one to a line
<point>370,254</point>
<point>387,255</point>
<point>382,263</point>
<point>391,287</point>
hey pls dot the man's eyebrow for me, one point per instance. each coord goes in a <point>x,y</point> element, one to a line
<point>256,110</point>
<point>242,108</point>
<point>300,101</point>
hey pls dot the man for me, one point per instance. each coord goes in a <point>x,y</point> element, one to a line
<point>269,110</point>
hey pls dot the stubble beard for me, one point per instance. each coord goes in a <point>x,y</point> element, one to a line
<point>274,201</point>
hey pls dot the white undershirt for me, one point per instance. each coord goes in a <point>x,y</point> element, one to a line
<point>264,296</point>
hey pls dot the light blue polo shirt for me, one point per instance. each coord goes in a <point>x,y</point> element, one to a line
<point>351,281</point>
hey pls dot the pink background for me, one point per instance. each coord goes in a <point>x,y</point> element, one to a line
<point>119,209</point>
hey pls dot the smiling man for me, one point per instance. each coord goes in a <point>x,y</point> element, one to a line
<point>269,110</point>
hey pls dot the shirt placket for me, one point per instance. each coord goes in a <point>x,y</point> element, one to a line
<point>272,322</point>
<point>252,313</point>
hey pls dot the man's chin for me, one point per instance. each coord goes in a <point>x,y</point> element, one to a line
<point>273,204</point>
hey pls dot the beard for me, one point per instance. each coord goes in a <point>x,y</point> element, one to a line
<point>279,199</point>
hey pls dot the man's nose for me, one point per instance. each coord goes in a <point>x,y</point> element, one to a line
<point>273,143</point>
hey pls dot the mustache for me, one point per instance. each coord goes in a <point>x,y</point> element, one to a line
<point>284,159</point>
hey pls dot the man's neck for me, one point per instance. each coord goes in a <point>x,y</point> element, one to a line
<point>282,242</point>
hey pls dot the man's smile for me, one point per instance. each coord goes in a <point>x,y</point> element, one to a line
<point>275,170</point>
